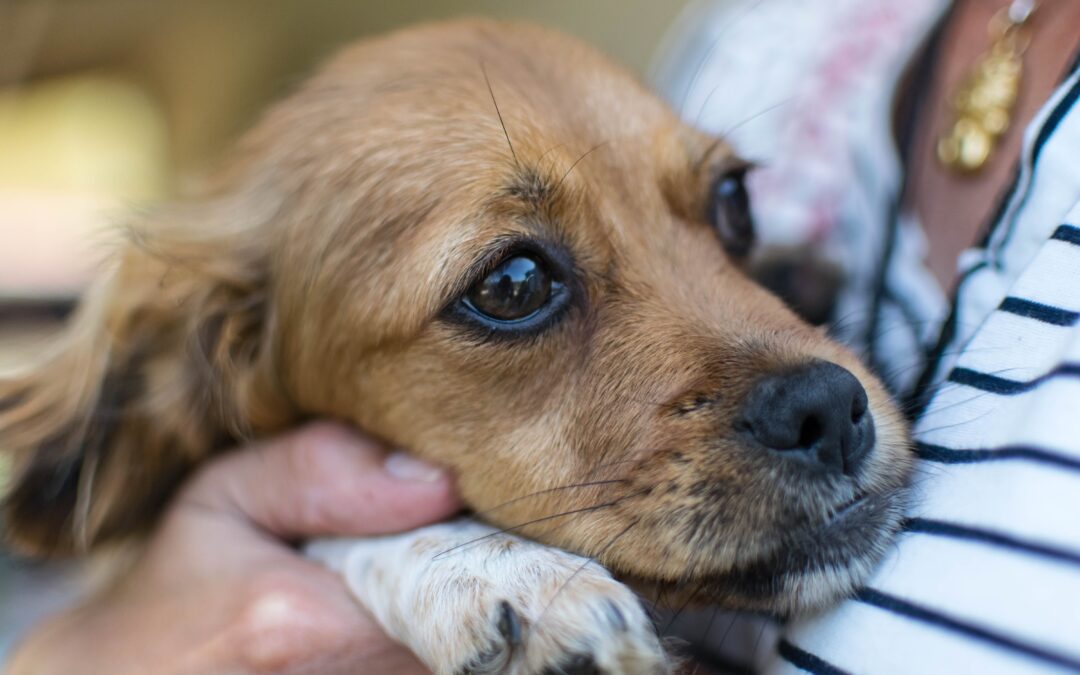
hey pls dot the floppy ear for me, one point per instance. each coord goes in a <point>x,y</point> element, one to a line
<point>167,360</point>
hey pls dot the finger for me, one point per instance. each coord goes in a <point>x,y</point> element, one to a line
<point>309,623</point>
<point>365,648</point>
<point>324,480</point>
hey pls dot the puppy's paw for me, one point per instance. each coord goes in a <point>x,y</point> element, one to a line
<point>467,599</point>
<point>561,614</point>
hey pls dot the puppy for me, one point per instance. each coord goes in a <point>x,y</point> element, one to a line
<point>488,244</point>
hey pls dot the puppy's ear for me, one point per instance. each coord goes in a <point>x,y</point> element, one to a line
<point>167,360</point>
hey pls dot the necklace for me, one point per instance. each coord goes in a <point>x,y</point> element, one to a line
<point>983,103</point>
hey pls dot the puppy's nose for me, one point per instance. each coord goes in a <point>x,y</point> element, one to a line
<point>816,413</point>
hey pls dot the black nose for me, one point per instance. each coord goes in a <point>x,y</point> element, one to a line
<point>815,413</point>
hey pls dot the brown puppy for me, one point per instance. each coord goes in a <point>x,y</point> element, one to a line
<point>486,243</point>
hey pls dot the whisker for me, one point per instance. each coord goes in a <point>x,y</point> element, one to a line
<point>578,161</point>
<point>925,432</point>
<point>705,635</point>
<point>591,559</point>
<point>944,385</point>
<point>549,151</point>
<point>898,370</point>
<point>704,104</point>
<point>757,642</point>
<point>708,54</point>
<point>955,404</point>
<point>680,610</point>
<point>847,319</point>
<point>550,490</point>
<point>652,610</point>
<point>723,638</point>
<point>596,468</point>
<point>728,132</point>
<point>498,112</point>
<point>572,512</point>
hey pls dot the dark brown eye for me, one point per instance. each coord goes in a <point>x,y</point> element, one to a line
<point>729,213</point>
<point>518,288</point>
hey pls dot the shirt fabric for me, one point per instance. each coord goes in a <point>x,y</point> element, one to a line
<point>986,575</point>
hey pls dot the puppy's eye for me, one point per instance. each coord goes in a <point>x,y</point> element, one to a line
<point>729,212</point>
<point>519,287</point>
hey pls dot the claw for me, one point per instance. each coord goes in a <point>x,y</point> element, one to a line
<point>509,626</point>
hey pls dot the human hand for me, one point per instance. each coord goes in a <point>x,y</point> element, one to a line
<point>218,588</point>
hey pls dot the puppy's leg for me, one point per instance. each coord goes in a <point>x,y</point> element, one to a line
<point>496,604</point>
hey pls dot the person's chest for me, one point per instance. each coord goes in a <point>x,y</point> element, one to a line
<point>952,206</point>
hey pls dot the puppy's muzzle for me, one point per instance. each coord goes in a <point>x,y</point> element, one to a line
<point>815,415</point>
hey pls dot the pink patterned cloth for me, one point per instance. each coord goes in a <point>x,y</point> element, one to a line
<point>806,88</point>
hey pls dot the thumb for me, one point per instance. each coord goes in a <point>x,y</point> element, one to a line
<point>324,480</point>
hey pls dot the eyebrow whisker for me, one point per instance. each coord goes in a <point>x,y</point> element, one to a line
<point>578,161</point>
<point>498,112</point>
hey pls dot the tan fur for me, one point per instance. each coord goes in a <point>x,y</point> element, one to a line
<point>313,281</point>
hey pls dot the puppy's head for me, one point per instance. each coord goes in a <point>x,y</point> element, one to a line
<point>486,243</point>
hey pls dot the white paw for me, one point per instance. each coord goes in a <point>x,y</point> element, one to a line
<point>467,599</point>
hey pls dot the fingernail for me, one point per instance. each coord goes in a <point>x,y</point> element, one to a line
<point>406,467</point>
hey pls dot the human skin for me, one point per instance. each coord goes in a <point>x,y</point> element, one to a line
<point>218,588</point>
<point>228,565</point>
<point>953,207</point>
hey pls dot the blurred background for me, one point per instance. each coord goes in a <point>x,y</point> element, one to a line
<point>107,105</point>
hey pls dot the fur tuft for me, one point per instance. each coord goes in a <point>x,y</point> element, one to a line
<point>158,370</point>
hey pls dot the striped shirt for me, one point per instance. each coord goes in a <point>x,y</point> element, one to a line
<point>986,576</point>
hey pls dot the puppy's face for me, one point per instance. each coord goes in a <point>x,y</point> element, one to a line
<point>489,245</point>
<point>539,285</point>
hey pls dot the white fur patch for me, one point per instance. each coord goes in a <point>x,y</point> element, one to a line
<point>467,598</point>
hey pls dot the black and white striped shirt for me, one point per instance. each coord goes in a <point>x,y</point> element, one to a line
<point>986,576</point>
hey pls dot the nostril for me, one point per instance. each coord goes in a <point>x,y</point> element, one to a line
<point>858,409</point>
<point>817,413</point>
<point>859,404</point>
<point>811,432</point>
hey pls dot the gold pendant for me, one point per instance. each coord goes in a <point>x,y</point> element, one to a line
<point>983,103</point>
